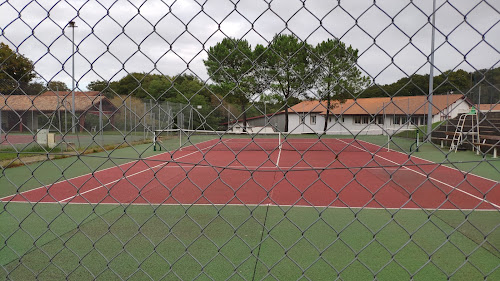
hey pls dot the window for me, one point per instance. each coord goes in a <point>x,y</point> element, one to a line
<point>335,119</point>
<point>399,119</point>
<point>380,120</point>
<point>361,119</point>
<point>313,119</point>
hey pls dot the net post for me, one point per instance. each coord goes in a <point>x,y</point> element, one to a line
<point>418,137</point>
<point>154,140</point>
<point>388,142</point>
<point>279,140</point>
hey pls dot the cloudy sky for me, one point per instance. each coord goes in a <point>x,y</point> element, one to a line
<point>171,37</point>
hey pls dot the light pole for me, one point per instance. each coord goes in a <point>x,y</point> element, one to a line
<point>73,114</point>
<point>431,74</point>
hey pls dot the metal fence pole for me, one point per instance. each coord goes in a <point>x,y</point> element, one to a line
<point>431,75</point>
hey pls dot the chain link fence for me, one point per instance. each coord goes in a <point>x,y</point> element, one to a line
<point>249,140</point>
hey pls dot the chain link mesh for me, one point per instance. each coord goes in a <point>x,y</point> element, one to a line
<point>319,140</point>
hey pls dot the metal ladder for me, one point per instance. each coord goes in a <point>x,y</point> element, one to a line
<point>458,136</point>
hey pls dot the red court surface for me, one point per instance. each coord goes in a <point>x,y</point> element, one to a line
<point>380,179</point>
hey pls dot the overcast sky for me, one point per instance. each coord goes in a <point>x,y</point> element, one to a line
<point>115,37</point>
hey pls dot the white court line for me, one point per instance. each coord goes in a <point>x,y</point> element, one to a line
<point>438,181</point>
<point>112,167</point>
<point>133,161</point>
<point>441,165</point>
<point>279,157</point>
<point>134,174</point>
<point>123,177</point>
<point>267,205</point>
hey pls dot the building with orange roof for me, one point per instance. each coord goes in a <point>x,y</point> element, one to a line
<point>22,112</point>
<point>489,107</point>
<point>68,93</point>
<point>365,115</point>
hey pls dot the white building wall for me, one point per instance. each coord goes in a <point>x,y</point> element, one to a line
<point>345,124</point>
<point>455,109</point>
<point>353,128</point>
<point>311,123</point>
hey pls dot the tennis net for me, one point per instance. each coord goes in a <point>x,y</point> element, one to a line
<point>370,141</point>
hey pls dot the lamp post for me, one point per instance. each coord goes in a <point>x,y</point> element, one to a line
<point>73,114</point>
<point>431,74</point>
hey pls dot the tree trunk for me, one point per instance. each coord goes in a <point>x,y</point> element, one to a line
<point>286,116</point>
<point>81,122</point>
<point>244,117</point>
<point>327,115</point>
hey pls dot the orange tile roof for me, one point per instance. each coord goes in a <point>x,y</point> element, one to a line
<point>65,93</point>
<point>49,103</point>
<point>398,105</point>
<point>489,107</point>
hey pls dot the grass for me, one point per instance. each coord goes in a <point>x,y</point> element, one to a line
<point>422,131</point>
<point>12,153</point>
<point>27,177</point>
<point>50,242</point>
<point>466,161</point>
<point>82,141</point>
<point>113,242</point>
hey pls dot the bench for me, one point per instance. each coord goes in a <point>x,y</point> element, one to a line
<point>442,140</point>
<point>492,145</point>
<point>448,138</point>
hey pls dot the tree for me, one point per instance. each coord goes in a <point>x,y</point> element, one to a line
<point>134,84</point>
<point>104,87</point>
<point>416,84</point>
<point>189,90</point>
<point>160,88</point>
<point>35,88</point>
<point>230,66</point>
<point>337,77</point>
<point>459,81</point>
<point>16,71</point>
<point>288,69</point>
<point>57,86</point>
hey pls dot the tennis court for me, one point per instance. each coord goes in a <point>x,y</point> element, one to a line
<point>254,208</point>
<point>286,172</point>
<point>249,140</point>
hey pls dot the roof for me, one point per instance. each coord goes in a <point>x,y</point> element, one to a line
<point>51,103</point>
<point>489,107</point>
<point>412,105</point>
<point>66,93</point>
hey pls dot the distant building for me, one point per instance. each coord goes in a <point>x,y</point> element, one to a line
<point>22,112</point>
<point>363,115</point>
<point>68,93</point>
<point>489,107</point>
